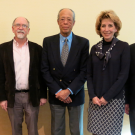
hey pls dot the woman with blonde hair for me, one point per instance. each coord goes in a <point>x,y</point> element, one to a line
<point>107,72</point>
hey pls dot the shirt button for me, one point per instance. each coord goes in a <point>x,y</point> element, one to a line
<point>60,80</point>
<point>74,69</point>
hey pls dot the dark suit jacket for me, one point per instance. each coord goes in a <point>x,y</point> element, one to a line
<point>130,85</point>
<point>72,76</point>
<point>37,88</point>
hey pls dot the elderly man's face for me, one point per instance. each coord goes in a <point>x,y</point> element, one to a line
<point>65,22</point>
<point>20,28</point>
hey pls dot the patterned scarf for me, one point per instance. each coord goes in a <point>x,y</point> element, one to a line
<point>107,54</point>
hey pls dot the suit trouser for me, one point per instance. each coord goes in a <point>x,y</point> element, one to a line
<point>16,114</point>
<point>58,119</point>
<point>132,121</point>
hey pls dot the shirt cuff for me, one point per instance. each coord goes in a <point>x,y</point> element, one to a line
<point>67,88</point>
<point>58,91</point>
<point>70,91</point>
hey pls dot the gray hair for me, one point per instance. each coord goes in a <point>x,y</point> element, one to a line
<point>70,10</point>
<point>26,20</point>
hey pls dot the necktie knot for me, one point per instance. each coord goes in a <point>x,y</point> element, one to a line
<point>66,40</point>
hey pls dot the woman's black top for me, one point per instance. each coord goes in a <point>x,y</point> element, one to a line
<point>108,83</point>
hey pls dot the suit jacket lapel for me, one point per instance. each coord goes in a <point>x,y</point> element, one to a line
<point>31,51</point>
<point>56,51</point>
<point>10,54</point>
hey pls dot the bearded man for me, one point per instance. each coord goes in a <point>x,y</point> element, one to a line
<point>22,89</point>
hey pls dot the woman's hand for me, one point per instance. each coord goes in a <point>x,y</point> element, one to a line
<point>103,101</point>
<point>96,101</point>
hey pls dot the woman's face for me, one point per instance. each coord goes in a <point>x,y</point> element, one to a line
<point>107,29</point>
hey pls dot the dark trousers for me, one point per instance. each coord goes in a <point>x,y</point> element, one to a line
<point>21,107</point>
<point>132,121</point>
<point>58,119</point>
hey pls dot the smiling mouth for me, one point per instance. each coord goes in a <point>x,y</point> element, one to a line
<point>65,27</point>
<point>20,32</point>
<point>106,34</point>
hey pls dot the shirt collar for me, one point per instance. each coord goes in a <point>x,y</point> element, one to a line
<point>17,44</point>
<point>63,38</point>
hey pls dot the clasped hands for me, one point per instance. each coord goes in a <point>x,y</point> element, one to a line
<point>100,101</point>
<point>63,96</point>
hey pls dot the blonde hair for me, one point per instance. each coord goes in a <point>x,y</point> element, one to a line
<point>109,14</point>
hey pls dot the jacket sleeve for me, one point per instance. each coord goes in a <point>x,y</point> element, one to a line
<point>2,77</point>
<point>123,74</point>
<point>129,86</point>
<point>45,69</point>
<point>43,86</point>
<point>90,76</point>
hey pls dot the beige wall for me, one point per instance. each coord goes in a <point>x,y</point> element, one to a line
<point>42,15</point>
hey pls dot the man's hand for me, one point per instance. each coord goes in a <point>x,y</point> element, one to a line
<point>63,94</point>
<point>127,109</point>
<point>96,101</point>
<point>3,105</point>
<point>42,101</point>
<point>68,100</point>
<point>103,101</point>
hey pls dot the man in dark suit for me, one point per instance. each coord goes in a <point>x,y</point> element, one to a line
<point>22,88</point>
<point>64,61</point>
<point>130,90</point>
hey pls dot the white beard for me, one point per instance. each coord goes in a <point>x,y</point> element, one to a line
<point>20,34</point>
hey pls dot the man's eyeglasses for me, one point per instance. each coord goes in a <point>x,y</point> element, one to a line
<point>19,25</point>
